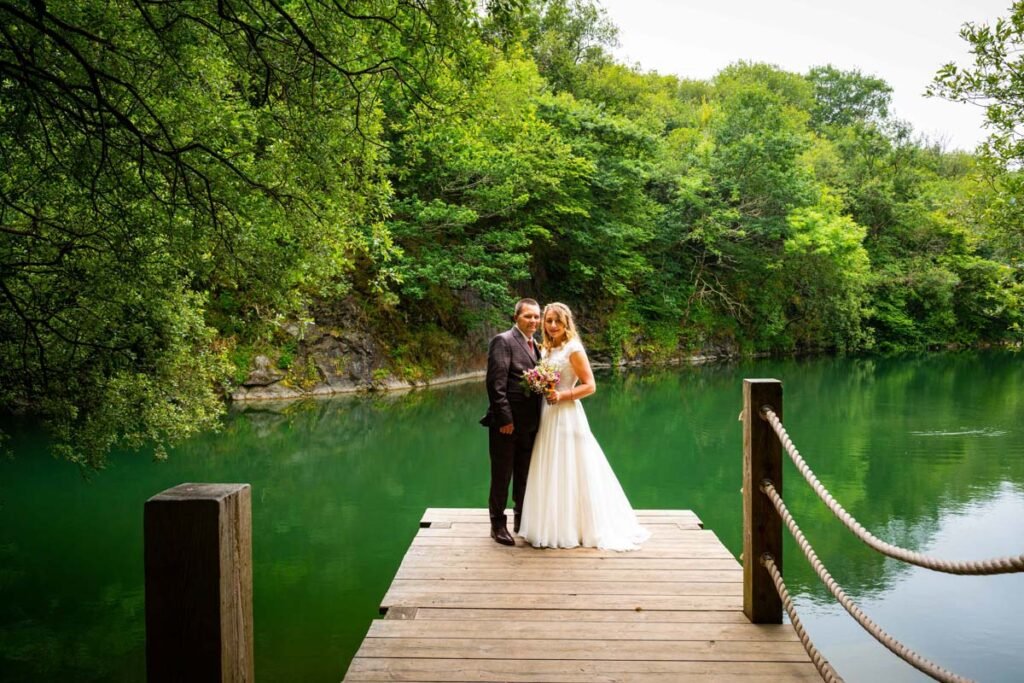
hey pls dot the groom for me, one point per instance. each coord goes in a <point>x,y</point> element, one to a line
<point>513,416</point>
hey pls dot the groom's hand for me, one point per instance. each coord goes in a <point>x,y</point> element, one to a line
<point>507,429</point>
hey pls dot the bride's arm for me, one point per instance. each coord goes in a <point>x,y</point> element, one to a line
<point>587,386</point>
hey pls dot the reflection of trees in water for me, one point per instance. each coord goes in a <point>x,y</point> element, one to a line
<point>859,425</point>
<point>338,488</point>
<point>347,479</point>
<point>97,641</point>
<point>70,574</point>
<point>339,485</point>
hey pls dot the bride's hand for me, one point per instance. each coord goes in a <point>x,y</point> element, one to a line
<point>552,397</point>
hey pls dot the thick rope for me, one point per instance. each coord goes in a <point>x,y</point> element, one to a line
<point>825,670</point>
<point>899,649</point>
<point>996,565</point>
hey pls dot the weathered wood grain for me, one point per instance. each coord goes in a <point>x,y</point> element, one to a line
<point>463,608</point>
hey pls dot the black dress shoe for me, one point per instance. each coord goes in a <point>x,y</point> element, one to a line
<point>515,524</point>
<point>502,536</point>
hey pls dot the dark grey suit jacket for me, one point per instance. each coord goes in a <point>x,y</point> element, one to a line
<point>508,357</point>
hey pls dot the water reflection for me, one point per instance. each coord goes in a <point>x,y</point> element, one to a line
<point>926,451</point>
<point>964,623</point>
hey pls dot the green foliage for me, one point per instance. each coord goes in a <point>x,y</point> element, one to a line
<point>843,98</point>
<point>564,37</point>
<point>241,359</point>
<point>597,240</point>
<point>177,179</point>
<point>418,354</point>
<point>620,327</point>
<point>286,358</point>
<point>995,80</point>
<point>468,184</point>
<point>162,160</point>
<point>166,402</point>
<point>827,270</point>
<point>990,302</point>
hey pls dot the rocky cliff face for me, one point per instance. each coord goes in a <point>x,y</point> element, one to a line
<point>340,354</point>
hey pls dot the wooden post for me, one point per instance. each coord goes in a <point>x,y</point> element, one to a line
<point>198,548</point>
<point>762,527</point>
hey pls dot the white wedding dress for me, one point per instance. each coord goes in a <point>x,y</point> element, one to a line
<point>572,496</point>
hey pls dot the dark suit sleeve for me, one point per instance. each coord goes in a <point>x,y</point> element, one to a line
<point>499,359</point>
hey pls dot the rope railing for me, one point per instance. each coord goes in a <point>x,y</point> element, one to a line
<point>825,670</point>
<point>899,649</point>
<point>765,596</point>
<point>998,565</point>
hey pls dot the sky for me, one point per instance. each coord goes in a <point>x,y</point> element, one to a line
<point>903,42</point>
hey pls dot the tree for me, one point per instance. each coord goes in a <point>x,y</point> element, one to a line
<point>845,97</point>
<point>475,189</point>
<point>159,159</point>
<point>994,81</point>
<point>564,36</point>
<point>826,269</point>
<point>739,173</point>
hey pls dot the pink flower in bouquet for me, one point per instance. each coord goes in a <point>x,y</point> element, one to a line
<point>541,379</point>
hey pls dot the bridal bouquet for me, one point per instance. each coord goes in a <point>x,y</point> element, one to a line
<point>541,379</point>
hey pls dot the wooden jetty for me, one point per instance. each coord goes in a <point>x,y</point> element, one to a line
<point>463,608</point>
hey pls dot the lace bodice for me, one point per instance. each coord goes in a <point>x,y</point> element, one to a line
<point>559,357</point>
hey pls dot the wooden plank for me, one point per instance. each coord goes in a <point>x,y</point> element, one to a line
<point>659,522</point>
<point>629,616</point>
<point>481,529</point>
<point>566,561</point>
<point>578,630</point>
<point>463,608</point>
<point>395,598</point>
<point>655,520</point>
<point>658,531</point>
<point>652,524</point>
<point>651,548</point>
<point>606,671</point>
<point>614,587</point>
<point>439,515</point>
<point>557,573</point>
<point>401,613</point>
<point>590,650</point>
<point>476,538</point>
<point>444,513</point>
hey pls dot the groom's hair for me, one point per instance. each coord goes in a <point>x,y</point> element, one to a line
<point>521,303</point>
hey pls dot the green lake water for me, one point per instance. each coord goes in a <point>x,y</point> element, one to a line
<point>926,451</point>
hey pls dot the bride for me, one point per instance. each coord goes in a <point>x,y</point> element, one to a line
<point>572,495</point>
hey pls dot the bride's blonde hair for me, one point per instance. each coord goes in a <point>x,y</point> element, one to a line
<point>562,315</point>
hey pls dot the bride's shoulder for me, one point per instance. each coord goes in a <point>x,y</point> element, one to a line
<point>574,345</point>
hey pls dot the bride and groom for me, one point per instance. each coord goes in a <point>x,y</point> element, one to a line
<point>563,489</point>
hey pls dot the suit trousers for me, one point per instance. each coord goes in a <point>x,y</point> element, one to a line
<point>510,461</point>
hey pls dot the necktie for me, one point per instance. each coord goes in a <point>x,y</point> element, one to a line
<point>529,342</point>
